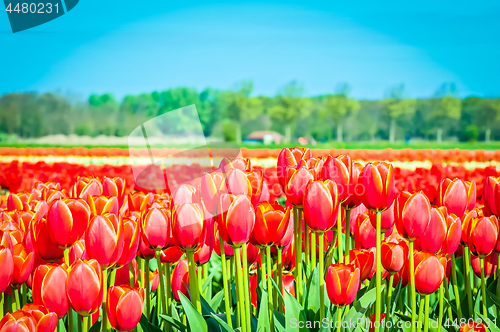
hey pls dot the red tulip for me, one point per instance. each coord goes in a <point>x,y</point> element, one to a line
<point>288,235</point>
<point>342,283</point>
<point>203,255</point>
<point>156,228</point>
<point>7,270</point>
<point>256,180</point>
<point>271,223</point>
<point>188,226</point>
<point>429,272</point>
<point>253,254</point>
<point>290,157</point>
<point>45,321</point>
<point>144,252</point>
<point>491,196</point>
<point>364,260</point>
<point>394,256</point>
<point>413,214</point>
<point>42,243</point>
<point>114,187</point>
<point>14,202</point>
<point>104,240</point>
<point>171,255</point>
<point>67,221</point>
<point>49,288</point>
<point>139,201</point>
<point>344,173</point>
<point>378,183</point>
<point>297,181</point>
<point>237,219</point>
<point>23,264</point>
<point>228,251</point>
<point>366,235</point>
<point>453,234</point>
<point>453,195</point>
<point>473,327</point>
<point>490,265</point>
<point>124,307</point>
<point>85,187</point>
<point>123,275</point>
<point>84,287</point>
<point>19,321</point>
<point>131,238</point>
<point>180,278</point>
<point>237,183</point>
<point>185,193</point>
<point>321,205</point>
<point>483,235</point>
<point>432,239</point>
<point>386,218</point>
<point>466,220</point>
<point>210,191</point>
<point>471,194</point>
<point>100,205</point>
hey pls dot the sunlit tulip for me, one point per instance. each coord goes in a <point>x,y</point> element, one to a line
<point>386,218</point>
<point>490,265</point>
<point>413,214</point>
<point>288,235</point>
<point>453,195</point>
<point>188,226</point>
<point>256,180</point>
<point>100,205</point>
<point>139,201</point>
<point>429,272</point>
<point>185,193</point>
<point>466,221</point>
<point>104,240</point>
<point>343,172</point>
<point>321,205</point>
<point>432,239</point>
<point>471,194</point>
<point>394,256</point>
<point>7,270</point>
<point>84,286</point>
<point>342,283</point>
<point>45,321</point>
<point>144,252</point>
<point>297,181</point>
<point>156,228</point>
<point>290,157</point>
<point>49,288</point>
<point>364,260</point>
<point>23,264</point>
<point>491,196</point>
<point>483,235</point>
<point>378,184</point>
<point>171,255</point>
<point>67,221</point>
<point>271,223</point>
<point>18,321</point>
<point>42,243</point>
<point>85,187</point>
<point>114,187</point>
<point>237,219</point>
<point>210,191</point>
<point>453,234</point>
<point>124,307</point>
<point>180,278</point>
<point>131,238</point>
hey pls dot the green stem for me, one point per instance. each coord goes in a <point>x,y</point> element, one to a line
<point>412,284</point>
<point>298,254</point>
<point>279,267</point>
<point>70,319</point>
<point>421,312</point>
<point>16,294</point>
<point>339,235</point>
<point>483,288</point>
<point>306,239</point>
<point>168,291</point>
<point>498,284</point>
<point>200,278</point>
<point>339,319</point>
<point>321,277</point>
<point>246,286</point>
<point>104,323</point>
<point>347,235</point>
<point>426,319</point>
<point>131,274</point>
<point>224,282</point>
<point>193,285</point>
<point>161,296</point>
<point>241,294</point>
<point>236,283</point>
<point>85,324</point>
<point>1,304</point>
<point>263,266</point>
<point>24,294</point>
<point>313,250</point>
<point>454,281</point>
<point>295,243</point>
<point>269,287</point>
<point>378,275</point>
<point>467,280</point>
<point>389,299</point>
<point>66,256</point>
<point>148,288</point>
<point>441,306</point>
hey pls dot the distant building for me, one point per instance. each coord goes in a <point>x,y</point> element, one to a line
<point>265,136</point>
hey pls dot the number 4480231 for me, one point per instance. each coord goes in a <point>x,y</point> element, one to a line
<point>38,8</point>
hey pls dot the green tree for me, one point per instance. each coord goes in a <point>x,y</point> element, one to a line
<point>396,106</point>
<point>446,108</point>
<point>290,106</point>
<point>339,106</point>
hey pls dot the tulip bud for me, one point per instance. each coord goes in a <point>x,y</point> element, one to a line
<point>366,235</point>
<point>342,283</point>
<point>429,272</point>
<point>453,195</point>
<point>100,205</point>
<point>139,201</point>
<point>104,240</point>
<point>131,238</point>
<point>364,260</point>
<point>42,243</point>
<point>237,219</point>
<point>433,237</point>
<point>413,214</point>
<point>171,255</point>
<point>345,173</point>
<point>490,265</point>
<point>321,205</point>
<point>203,255</point>
<point>378,183</point>
<point>471,194</point>
<point>394,256</point>
<point>237,183</point>
<point>271,223</point>
<point>483,235</point>
<point>45,321</point>
<point>453,234</point>
<point>210,191</point>
<point>7,270</point>
<point>180,278</point>
<point>188,226</point>
<point>49,288</point>
<point>23,264</point>
<point>386,218</point>
<point>256,180</point>
<point>290,157</point>
<point>228,251</point>
<point>156,228</point>
<point>491,196</point>
<point>124,307</point>
<point>84,287</point>
<point>297,181</point>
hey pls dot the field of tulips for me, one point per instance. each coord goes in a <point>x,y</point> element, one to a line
<point>321,240</point>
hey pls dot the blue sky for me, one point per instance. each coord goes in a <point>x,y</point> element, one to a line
<point>126,47</point>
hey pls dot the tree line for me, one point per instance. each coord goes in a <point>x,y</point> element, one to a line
<point>233,114</point>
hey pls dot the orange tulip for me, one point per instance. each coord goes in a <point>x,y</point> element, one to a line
<point>49,288</point>
<point>188,226</point>
<point>429,272</point>
<point>364,260</point>
<point>473,327</point>
<point>237,219</point>
<point>378,183</point>
<point>413,214</point>
<point>343,172</point>
<point>491,196</point>
<point>453,234</point>
<point>471,194</point>
<point>23,264</point>
<point>131,238</point>
<point>67,221</point>
<point>139,201</point>
<point>290,157</point>
<point>342,283</point>
<point>42,243</point>
<point>84,286</point>
<point>271,223</point>
<point>321,205</point>
<point>85,187</point>
<point>104,240</point>
<point>45,321</point>
<point>483,235</point>
<point>124,307</point>
<point>297,181</point>
<point>29,320</point>
<point>453,194</point>
<point>100,205</point>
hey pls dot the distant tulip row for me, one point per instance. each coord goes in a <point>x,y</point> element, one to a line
<point>71,254</point>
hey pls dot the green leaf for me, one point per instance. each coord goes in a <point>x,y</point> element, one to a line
<point>293,312</point>
<point>195,319</point>
<point>263,320</point>
<point>277,289</point>
<point>96,327</point>
<point>208,281</point>
<point>359,308</point>
<point>395,297</point>
<point>175,323</point>
<point>311,301</point>
<point>279,321</point>
<point>222,323</point>
<point>147,326</point>
<point>493,298</point>
<point>491,327</point>
<point>217,300</point>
